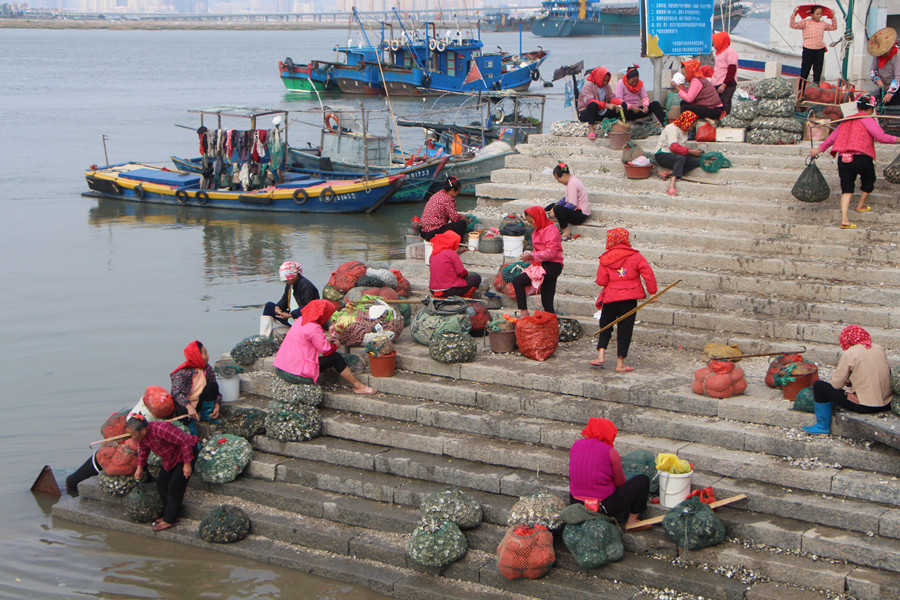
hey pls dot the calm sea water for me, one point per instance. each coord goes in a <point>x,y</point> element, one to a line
<point>100,297</point>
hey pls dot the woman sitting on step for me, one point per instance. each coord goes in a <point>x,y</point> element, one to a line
<point>595,100</point>
<point>635,100</point>
<point>671,152</point>
<point>448,275</point>
<point>864,370</point>
<point>298,359</point>
<point>546,256</point>
<point>574,208</point>
<point>697,93</point>
<point>620,272</point>
<point>596,478</point>
<point>195,389</point>
<point>298,292</point>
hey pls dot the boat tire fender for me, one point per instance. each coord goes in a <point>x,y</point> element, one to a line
<point>332,122</point>
<point>440,45</point>
<point>139,192</point>
<point>395,45</point>
<point>300,196</point>
<point>327,195</point>
<point>535,75</point>
<point>426,80</point>
<point>202,198</point>
<point>181,196</point>
<point>288,64</point>
<point>432,44</point>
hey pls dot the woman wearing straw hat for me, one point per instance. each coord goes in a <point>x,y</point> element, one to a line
<point>885,72</point>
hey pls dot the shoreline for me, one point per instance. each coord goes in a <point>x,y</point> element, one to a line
<point>167,24</point>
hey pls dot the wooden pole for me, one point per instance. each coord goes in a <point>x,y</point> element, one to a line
<point>639,307</point>
<point>122,436</point>
<point>756,355</point>
<point>659,519</point>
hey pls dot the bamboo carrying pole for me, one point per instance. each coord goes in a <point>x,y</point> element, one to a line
<point>740,356</point>
<point>639,307</point>
<point>659,519</point>
<point>125,435</point>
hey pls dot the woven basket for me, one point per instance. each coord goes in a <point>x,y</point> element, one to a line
<point>491,245</point>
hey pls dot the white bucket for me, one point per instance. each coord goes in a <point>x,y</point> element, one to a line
<point>673,489</point>
<point>230,388</point>
<point>427,253</point>
<point>474,236</point>
<point>513,245</point>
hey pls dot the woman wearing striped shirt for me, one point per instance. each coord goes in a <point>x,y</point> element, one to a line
<point>814,29</point>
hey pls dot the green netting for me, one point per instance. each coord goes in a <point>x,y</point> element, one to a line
<point>643,129</point>
<point>225,524</point>
<point>424,323</point>
<point>245,422</point>
<point>641,462</point>
<point>405,311</point>
<point>249,350</point>
<point>607,124</point>
<point>509,272</point>
<point>773,87</point>
<point>569,329</point>
<point>222,458</point>
<point>746,110</point>
<point>436,543</point>
<point>895,404</point>
<point>781,107</point>
<point>594,542</point>
<point>227,369</point>
<point>733,121</point>
<point>539,508</point>
<point>452,505</point>
<point>672,99</point>
<point>783,123</point>
<point>450,347</point>
<point>142,504</point>
<point>295,394</point>
<point>295,424</point>
<point>501,324</point>
<point>772,137</point>
<point>892,174</point>
<point>711,162</point>
<point>895,379</point>
<point>804,400</point>
<point>693,525</point>
<point>115,485</point>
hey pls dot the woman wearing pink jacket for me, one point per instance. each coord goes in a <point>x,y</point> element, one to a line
<point>547,254</point>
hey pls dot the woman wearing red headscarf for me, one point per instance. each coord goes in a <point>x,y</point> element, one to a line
<point>864,370</point>
<point>595,99</point>
<point>298,359</point>
<point>724,77</point>
<point>596,478</point>
<point>194,386</point>
<point>697,93</point>
<point>546,254</point>
<point>635,100</point>
<point>673,154</point>
<point>619,274</point>
<point>448,275</point>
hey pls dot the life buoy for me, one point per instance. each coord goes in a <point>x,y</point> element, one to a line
<point>432,44</point>
<point>440,45</point>
<point>202,198</point>
<point>426,80</point>
<point>535,75</point>
<point>327,195</point>
<point>288,64</point>
<point>301,196</point>
<point>335,126</point>
<point>181,196</point>
<point>395,45</point>
<point>139,191</point>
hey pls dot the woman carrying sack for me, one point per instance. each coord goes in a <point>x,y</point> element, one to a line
<point>854,143</point>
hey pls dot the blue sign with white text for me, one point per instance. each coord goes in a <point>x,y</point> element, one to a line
<point>677,27</point>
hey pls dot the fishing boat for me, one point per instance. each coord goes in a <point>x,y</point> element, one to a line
<point>570,18</point>
<point>502,20</point>
<point>416,63</point>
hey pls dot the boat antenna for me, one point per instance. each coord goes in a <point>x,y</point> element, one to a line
<point>387,96</point>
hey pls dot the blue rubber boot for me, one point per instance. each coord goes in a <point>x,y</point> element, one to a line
<point>823,419</point>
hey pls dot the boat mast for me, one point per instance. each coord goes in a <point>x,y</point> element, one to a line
<point>409,41</point>
<point>362,28</point>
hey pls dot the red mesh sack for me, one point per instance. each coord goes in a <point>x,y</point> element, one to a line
<point>719,379</point>
<point>480,318</point>
<point>382,292</point>
<point>118,458</point>
<point>812,93</point>
<point>346,275</point>
<point>403,287</point>
<point>114,425</point>
<point>526,552</point>
<point>537,335</point>
<point>777,363</point>
<point>705,133</point>
<point>159,402</point>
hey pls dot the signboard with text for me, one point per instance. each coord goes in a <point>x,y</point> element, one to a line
<point>676,27</point>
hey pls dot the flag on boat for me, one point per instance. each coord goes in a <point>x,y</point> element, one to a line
<point>474,73</point>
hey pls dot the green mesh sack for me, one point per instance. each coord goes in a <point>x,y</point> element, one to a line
<point>594,542</point>
<point>225,524</point>
<point>294,424</point>
<point>142,504</point>
<point>222,458</point>
<point>746,110</point>
<point>641,462</point>
<point>452,505</point>
<point>569,329</point>
<point>424,323</point>
<point>293,394</point>
<point>693,525</point>
<point>733,121</point>
<point>711,162</point>
<point>783,123</point>
<point>436,543</point>
<point>245,422</point>
<point>772,137</point>
<point>329,292</point>
<point>405,311</point>
<point>452,347</point>
<point>509,272</point>
<point>895,379</point>
<point>782,107</point>
<point>115,485</point>
<point>643,129</point>
<point>804,400</point>
<point>773,87</point>
<point>539,508</point>
<point>249,350</point>
<point>892,174</point>
<point>154,464</point>
<point>672,99</point>
<point>895,404</point>
<point>811,186</point>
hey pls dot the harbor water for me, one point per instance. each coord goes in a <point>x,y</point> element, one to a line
<point>100,296</point>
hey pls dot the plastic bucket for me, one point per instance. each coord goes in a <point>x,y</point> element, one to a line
<point>805,380</point>
<point>230,388</point>
<point>618,139</point>
<point>513,245</point>
<point>383,366</point>
<point>633,172</point>
<point>427,253</point>
<point>502,341</point>
<point>673,489</point>
<point>474,238</point>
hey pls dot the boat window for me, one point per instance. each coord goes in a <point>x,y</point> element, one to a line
<point>488,65</point>
<point>451,64</point>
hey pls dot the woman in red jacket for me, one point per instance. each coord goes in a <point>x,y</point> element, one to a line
<point>448,275</point>
<point>620,271</point>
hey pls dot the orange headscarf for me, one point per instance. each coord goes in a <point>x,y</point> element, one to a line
<point>317,311</point>
<point>540,217</point>
<point>690,68</point>
<point>721,40</point>
<point>600,429</point>
<point>193,357</point>
<point>449,240</point>
<point>598,75</point>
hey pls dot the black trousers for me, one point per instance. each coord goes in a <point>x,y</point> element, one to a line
<point>812,60</point>
<point>631,497</point>
<point>332,361</point>
<point>568,216</point>
<point>610,312</point>
<point>592,114</point>
<point>703,112</point>
<point>269,311</point>
<point>679,163</point>
<point>862,165</point>
<point>473,280</point>
<point>548,287</point>
<point>459,227</point>
<point>825,392</point>
<point>726,96</point>
<point>656,110</point>
<point>171,486</point>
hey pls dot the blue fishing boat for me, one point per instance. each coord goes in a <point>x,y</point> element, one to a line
<point>416,63</point>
